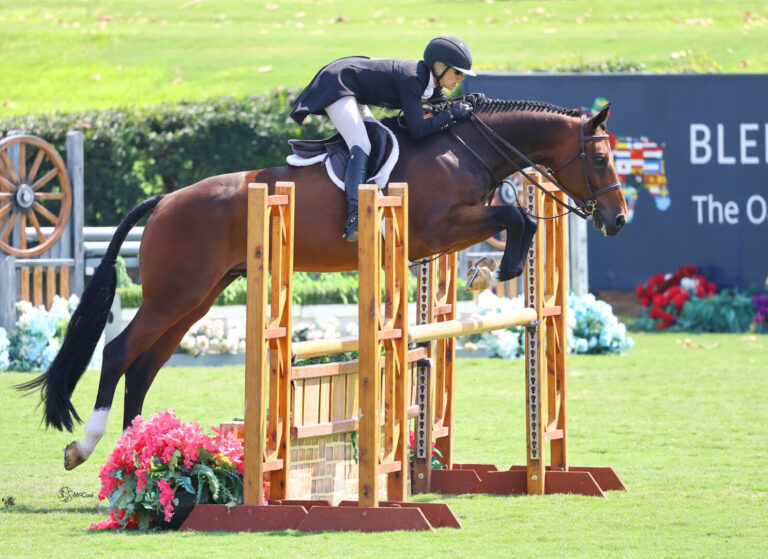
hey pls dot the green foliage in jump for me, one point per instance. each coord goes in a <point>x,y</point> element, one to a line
<point>134,153</point>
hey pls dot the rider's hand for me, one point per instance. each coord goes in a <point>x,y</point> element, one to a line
<point>460,111</point>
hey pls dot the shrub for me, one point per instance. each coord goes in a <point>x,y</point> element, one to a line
<point>604,67</point>
<point>308,289</point>
<point>132,153</point>
<point>729,311</point>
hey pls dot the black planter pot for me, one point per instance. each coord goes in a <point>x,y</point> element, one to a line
<point>186,502</point>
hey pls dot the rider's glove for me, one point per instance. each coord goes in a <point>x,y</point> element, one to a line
<point>460,111</point>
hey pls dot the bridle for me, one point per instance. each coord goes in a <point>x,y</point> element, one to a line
<point>585,208</point>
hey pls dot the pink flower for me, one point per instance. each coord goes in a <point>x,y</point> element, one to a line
<point>166,498</point>
<point>153,450</point>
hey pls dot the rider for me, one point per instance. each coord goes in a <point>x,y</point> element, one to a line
<point>344,88</point>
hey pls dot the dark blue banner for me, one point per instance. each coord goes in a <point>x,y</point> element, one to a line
<point>692,151</point>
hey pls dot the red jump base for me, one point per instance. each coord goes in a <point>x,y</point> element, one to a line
<point>318,516</point>
<point>486,478</point>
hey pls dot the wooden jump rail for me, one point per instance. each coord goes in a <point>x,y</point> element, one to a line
<point>545,367</point>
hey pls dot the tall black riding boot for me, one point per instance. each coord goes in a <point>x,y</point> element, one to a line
<point>353,178</point>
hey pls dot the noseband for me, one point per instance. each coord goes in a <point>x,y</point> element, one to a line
<point>584,208</point>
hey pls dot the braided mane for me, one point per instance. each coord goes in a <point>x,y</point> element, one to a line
<point>481,104</point>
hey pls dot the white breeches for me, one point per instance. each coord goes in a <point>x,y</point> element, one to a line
<point>348,116</point>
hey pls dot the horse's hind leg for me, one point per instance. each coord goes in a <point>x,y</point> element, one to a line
<point>113,364</point>
<point>153,319</point>
<point>142,372</point>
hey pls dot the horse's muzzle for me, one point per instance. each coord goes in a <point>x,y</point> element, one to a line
<point>609,227</point>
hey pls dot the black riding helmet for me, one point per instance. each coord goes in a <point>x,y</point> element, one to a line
<point>451,51</point>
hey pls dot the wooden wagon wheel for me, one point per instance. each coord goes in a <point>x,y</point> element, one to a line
<point>26,199</point>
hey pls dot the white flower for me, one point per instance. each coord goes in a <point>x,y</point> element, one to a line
<point>314,335</point>
<point>689,284</point>
<point>229,346</point>
<point>217,329</point>
<point>201,342</point>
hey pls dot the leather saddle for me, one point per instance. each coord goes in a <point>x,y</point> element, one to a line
<point>333,150</point>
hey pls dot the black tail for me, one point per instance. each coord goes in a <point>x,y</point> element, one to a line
<point>87,323</point>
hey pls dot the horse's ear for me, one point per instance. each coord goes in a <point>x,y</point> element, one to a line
<point>599,118</point>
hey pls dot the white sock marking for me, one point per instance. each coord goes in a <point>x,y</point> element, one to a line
<point>94,431</point>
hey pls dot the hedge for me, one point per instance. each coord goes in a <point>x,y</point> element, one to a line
<point>308,289</point>
<point>133,153</point>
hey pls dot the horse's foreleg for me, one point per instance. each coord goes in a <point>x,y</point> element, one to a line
<point>143,371</point>
<point>517,245</point>
<point>477,223</point>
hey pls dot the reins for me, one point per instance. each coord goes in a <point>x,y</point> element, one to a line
<point>584,208</point>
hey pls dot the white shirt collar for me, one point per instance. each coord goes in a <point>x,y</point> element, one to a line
<point>429,90</point>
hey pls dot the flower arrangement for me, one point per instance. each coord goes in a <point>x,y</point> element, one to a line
<point>508,343</point>
<point>760,303</point>
<point>208,336</point>
<point>5,344</point>
<point>160,459</point>
<point>38,335</point>
<point>665,295</point>
<point>591,327</point>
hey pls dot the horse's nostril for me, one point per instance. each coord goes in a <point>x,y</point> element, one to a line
<point>621,221</point>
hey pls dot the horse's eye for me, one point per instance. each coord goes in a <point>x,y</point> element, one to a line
<point>601,160</point>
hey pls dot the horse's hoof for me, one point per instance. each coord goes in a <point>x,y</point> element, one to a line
<point>479,279</point>
<point>73,457</point>
<point>481,275</point>
<point>485,262</point>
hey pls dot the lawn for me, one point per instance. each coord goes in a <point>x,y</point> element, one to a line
<point>682,423</point>
<point>73,55</point>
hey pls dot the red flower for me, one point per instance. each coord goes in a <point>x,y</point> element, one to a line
<point>660,291</point>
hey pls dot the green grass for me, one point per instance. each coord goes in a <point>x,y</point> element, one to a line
<point>685,427</point>
<point>72,55</point>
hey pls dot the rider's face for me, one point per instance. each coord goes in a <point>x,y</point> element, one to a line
<point>451,79</point>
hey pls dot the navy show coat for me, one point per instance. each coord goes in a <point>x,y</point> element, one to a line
<point>395,84</point>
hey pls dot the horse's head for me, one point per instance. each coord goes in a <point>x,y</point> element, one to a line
<point>585,168</point>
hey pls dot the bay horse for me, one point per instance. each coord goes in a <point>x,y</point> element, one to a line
<point>194,242</point>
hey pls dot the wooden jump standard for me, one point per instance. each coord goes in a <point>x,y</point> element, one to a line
<point>268,442</point>
<point>268,378</point>
<point>545,298</point>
